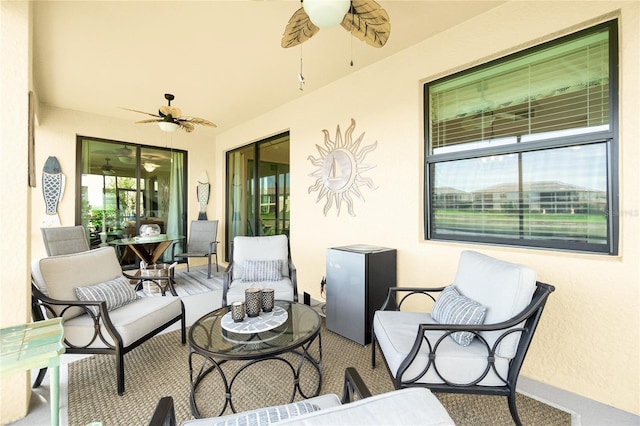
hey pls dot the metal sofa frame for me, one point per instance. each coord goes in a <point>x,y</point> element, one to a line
<point>42,308</point>
<point>530,316</point>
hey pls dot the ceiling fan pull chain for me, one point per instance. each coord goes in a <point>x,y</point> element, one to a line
<point>300,76</point>
<point>351,63</point>
<point>351,31</point>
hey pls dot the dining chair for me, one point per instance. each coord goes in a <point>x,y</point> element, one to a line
<point>202,242</point>
<point>65,240</point>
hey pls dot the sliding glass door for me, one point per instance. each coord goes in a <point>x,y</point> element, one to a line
<point>121,186</point>
<point>258,182</point>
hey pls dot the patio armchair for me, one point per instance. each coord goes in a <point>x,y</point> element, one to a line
<point>356,407</point>
<point>101,311</point>
<point>476,336</point>
<point>262,262</point>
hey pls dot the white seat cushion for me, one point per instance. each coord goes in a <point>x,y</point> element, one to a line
<point>413,406</point>
<point>243,418</point>
<point>396,332</point>
<point>132,321</point>
<point>504,288</point>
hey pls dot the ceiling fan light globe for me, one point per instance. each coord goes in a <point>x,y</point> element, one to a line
<point>150,167</point>
<point>326,13</point>
<point>168,126</point>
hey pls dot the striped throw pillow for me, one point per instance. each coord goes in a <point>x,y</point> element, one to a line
<point>270,415</point>
<point>453,308</point>
<point>116,292</point>
<point>262,270</point>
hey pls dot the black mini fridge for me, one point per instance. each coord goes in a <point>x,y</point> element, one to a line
<point>358,278</point>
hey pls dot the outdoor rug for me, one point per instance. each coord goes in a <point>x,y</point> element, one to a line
<point>160,368</point>
<point>188,283</point>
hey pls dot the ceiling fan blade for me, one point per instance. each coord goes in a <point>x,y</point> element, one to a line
<point>170,110</point>
<point>188,127</point>
<point>196,120</point>
<point>369,22</point>
<point>299,29</point>
<point>151,120</point>
<point>141,112</point>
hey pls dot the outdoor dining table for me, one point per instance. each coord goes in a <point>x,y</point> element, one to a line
<point>147,249</point>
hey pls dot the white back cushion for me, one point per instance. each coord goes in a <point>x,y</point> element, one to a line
<point>504,288</point>
<point>58,276</point>
<point>260,248</point>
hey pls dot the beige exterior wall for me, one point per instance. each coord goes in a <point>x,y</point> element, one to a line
<point>15,82</point>
<point>587,342</point>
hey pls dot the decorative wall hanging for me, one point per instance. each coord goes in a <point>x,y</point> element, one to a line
<point>340,168</point>
<point>52,189</point>
<point>203,195</point>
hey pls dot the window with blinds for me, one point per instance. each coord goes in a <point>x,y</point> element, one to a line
<point>523,150</point>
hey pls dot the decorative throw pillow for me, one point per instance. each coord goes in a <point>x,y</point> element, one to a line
<point>453,308</point>
<point>262,270</point>
<point>270,415</point>
<point>116,292</point>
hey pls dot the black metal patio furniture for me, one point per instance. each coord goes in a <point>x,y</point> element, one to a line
<point>262,262</point>
<point>101,311</point>
<point>64,240</point>
<point>202,242</point>
<point>476,336</point>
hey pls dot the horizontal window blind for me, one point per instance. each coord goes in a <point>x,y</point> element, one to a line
<point>563,86</point>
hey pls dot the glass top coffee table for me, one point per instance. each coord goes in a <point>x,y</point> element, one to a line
<point>270,357</point>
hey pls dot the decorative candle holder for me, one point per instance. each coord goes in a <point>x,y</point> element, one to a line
<point>267,299</point>
<point>237,311</point>
<point>253,301</point>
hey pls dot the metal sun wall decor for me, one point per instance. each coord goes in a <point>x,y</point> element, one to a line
<point>340,168</point>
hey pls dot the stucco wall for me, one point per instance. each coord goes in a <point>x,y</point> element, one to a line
<point>15,43</point>
<point>587,341</point>
<point>56,136</point>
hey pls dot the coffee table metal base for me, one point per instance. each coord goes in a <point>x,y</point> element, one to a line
<point>217,365</point>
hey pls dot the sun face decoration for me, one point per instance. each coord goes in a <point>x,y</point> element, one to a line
<point>340,167</point>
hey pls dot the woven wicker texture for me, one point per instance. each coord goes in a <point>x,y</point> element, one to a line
<point>160,368</point>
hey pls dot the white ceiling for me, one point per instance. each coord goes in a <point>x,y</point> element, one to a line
<point>221,59</point>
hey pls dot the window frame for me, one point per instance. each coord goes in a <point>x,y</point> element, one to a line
<point>609,137</point>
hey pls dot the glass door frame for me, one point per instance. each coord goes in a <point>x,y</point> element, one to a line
<point>138,156</point>
<point>255,161</point>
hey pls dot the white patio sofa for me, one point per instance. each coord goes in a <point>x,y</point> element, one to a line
<point>415,406</point>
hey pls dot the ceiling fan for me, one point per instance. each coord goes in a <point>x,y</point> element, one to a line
<point>107,169</point>
<point>364,19</point>
<point>170,118</point>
